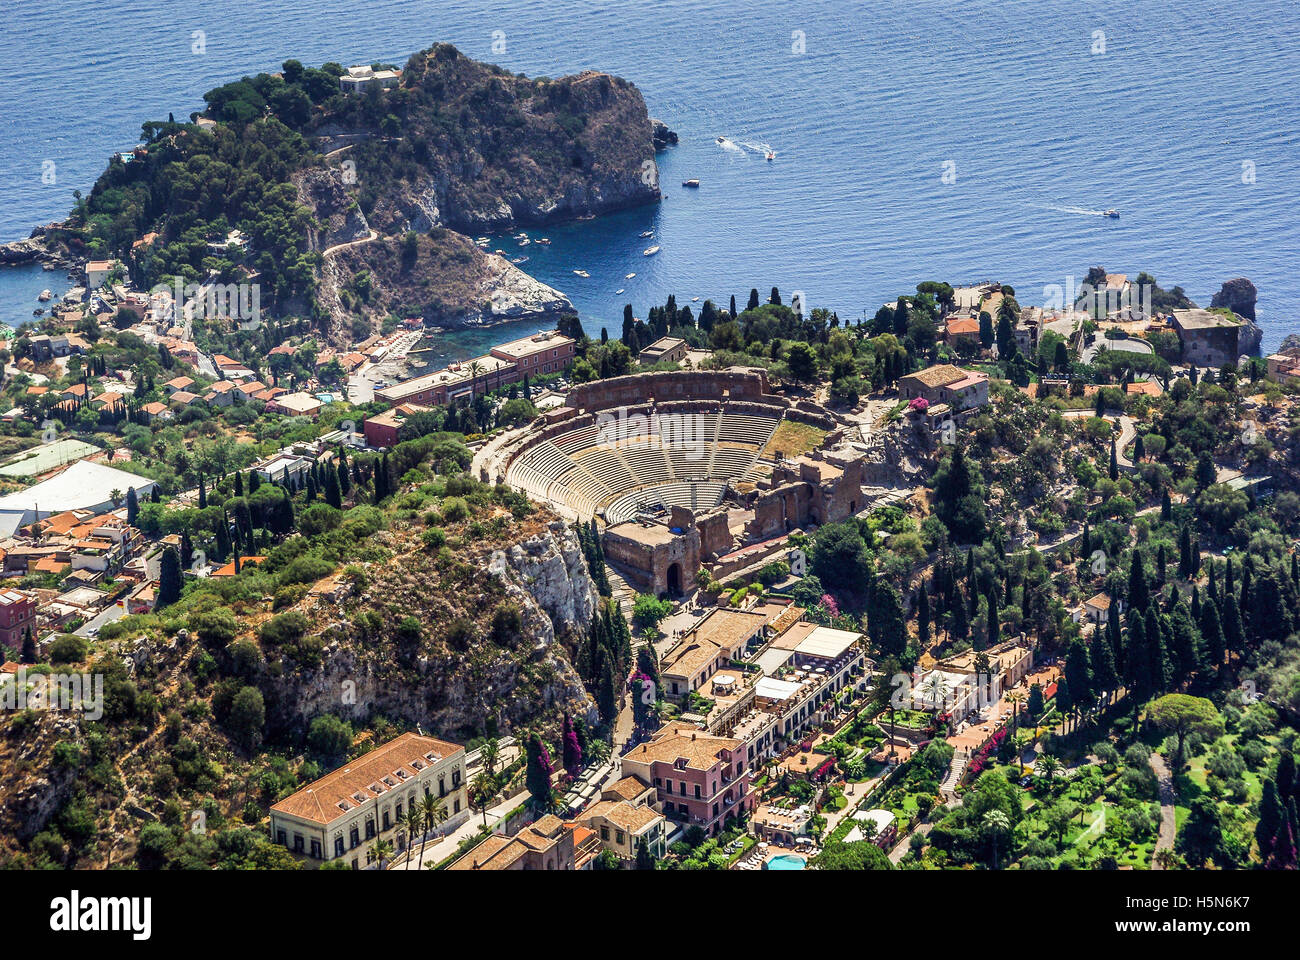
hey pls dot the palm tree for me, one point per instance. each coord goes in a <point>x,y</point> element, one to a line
<point>381,850</point>
<point>996,822</point>
<point>490,753</point>
<point>430,810</point>
<point>413,823</point>
<point>481,792</point>
<point>1049,765</point>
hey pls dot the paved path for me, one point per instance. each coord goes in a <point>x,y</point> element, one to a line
<point>1168,826</point>
<point>351,243</point>
<point>436,852</point>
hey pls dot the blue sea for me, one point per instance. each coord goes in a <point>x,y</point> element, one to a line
<point>928,139</point>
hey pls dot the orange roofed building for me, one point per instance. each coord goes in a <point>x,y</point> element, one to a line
<point>699,779</point>
<point>547,844</point>
<point>344,812</point>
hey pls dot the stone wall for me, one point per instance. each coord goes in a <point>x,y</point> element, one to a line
<point>669,386</point>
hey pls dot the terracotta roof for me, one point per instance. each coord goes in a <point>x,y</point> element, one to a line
<point>628,788</point>
<point>623,814</point>
<point>700,750</point>
<point>338,792</point>
<point>939,376</point>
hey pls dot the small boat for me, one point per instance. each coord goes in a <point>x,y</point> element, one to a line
<point>45,295</point>
<point>582,273</point>
<point>1112,213</point>
<point>499,252</point>
<point>524,242</point>
<point>695,299</point>
<point>618,291</point>
<point>544,240</point>
<point>628,276</point>
<point>722,139</point>
<point>770,156</point>
<point>519,260</point>
<point>649,251</point>
<point>648,233</point>
<point>694,184</point>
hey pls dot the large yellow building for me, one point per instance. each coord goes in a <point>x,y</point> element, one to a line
<point>344,812</point>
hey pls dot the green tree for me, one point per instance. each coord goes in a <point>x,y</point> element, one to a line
<point>1179,715</point>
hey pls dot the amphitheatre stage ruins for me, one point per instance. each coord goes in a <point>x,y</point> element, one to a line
<point>682,471</point>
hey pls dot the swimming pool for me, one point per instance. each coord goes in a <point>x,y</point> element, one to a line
<point>785,861</point>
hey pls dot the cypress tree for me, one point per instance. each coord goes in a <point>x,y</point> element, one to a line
<point>1101,657</point>
<point>169,579</point>
<point>923,616</point>
<point>538,773</point>
<point>203,494</point>
<point>132,506</point>
<point>607,692</point>
<point>332,494</point>
<point>28,653</point>
<point>1271,818</point>
<point>1138,594</point>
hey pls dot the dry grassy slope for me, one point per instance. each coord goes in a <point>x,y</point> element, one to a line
<point>485,647</point>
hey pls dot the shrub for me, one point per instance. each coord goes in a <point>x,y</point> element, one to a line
<point>68,648</point>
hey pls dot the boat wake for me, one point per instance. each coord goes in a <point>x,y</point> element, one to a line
<point>1077,211</point>
<point>745,147</point>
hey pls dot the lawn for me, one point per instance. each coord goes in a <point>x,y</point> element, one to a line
<point>793,439</point>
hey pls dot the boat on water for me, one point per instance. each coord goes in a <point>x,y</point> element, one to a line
<point>582,273</point>
<point>649,251</point>
<point>618,291</point>
<point>695,299</point>
<point>694,184</point>
<point>524,242</point>
<point>519,260</point>
<point>628,276</point>
<point>648,233</point>
<point>770,156</point>
<point>45,295</point>
<point>722,139</point>
<point>543,240</point>
<point>1112,213</point>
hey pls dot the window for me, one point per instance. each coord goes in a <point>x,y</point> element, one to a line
<point>604,834</point>
<point>297,843</point>
<point>370,829</point>
<point>338,846</point>
<point>281,838</point>
<point>356,838</point>
<point>315,849</point>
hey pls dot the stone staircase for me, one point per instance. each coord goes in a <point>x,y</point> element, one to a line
<point>955,770</point>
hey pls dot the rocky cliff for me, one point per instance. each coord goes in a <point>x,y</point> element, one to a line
<point>482,149</point>
<point>441,276</point>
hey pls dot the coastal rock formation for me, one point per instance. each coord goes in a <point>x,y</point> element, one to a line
<point>483,149</point>
<point>663,137</point>
<point>1238,295</point>
<point>442,276</point>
